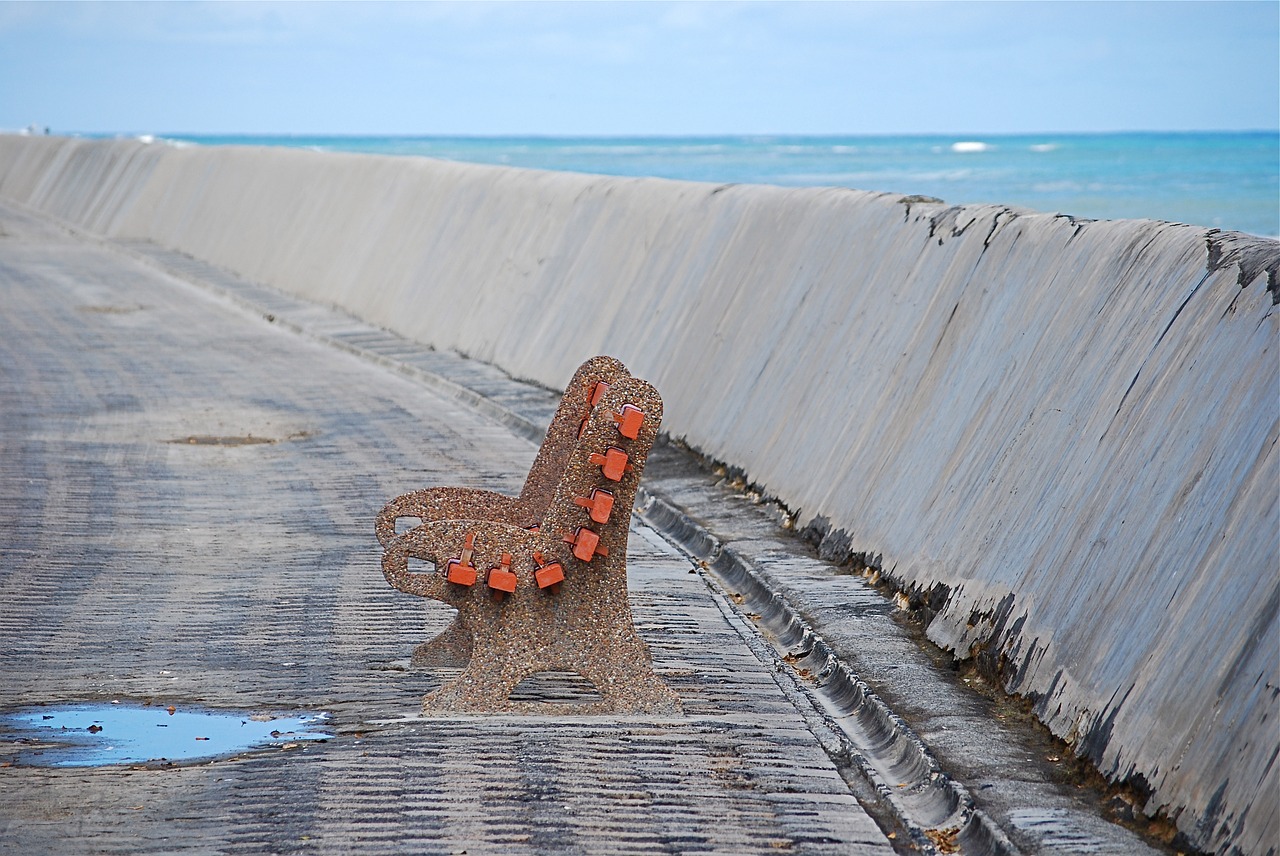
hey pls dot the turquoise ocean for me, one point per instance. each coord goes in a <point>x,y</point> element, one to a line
<point>1228,181</point>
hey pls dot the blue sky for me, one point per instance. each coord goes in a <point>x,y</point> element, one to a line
<point>639,68</point>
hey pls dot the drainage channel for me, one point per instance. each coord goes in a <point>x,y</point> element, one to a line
<point>938,812</point>
<point>101,735</point>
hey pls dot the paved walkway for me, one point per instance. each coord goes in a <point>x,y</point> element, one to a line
<point>189,466</point>
<point>151,551</point>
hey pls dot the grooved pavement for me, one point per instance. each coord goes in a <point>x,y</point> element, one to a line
<point>138,565</point>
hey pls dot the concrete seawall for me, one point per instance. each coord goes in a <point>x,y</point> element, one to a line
<point>1059,436</point>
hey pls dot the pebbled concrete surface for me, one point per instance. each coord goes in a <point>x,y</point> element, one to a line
<point>137,564</point>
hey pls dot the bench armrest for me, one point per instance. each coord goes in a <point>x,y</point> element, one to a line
<point>440,541</point>
<point>446,503</point>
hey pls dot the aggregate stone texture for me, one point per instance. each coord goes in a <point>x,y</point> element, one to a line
<point>582,486</point>
<point>185,497</point>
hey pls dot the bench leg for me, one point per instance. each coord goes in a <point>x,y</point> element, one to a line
<point>627,682</point>
<point>451,649</point>
<point>483,686</point>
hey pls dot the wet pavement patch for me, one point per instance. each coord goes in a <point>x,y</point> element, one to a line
<point>110,310</point>
<point>211,440</point>
<point>238,440</point>
<point>98,735</point>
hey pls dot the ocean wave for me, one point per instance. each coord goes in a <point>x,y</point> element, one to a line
<point>811,149</point>
<point>1043,147</point>
<point>1068,186</point>
<point>647,149</point>
<point>966,146</point>
<point>879,178</point>
<point>709,148</point>
<point>152,139</point>
<point>604,149</point>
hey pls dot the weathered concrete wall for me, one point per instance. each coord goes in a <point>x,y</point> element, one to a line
<point>1062,434</point>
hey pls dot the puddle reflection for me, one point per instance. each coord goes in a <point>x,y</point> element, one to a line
<point>95,735</point>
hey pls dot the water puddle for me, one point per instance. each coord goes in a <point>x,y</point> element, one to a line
<point>97,735</point>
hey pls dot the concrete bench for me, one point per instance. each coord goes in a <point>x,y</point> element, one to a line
<point>540,580</point>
